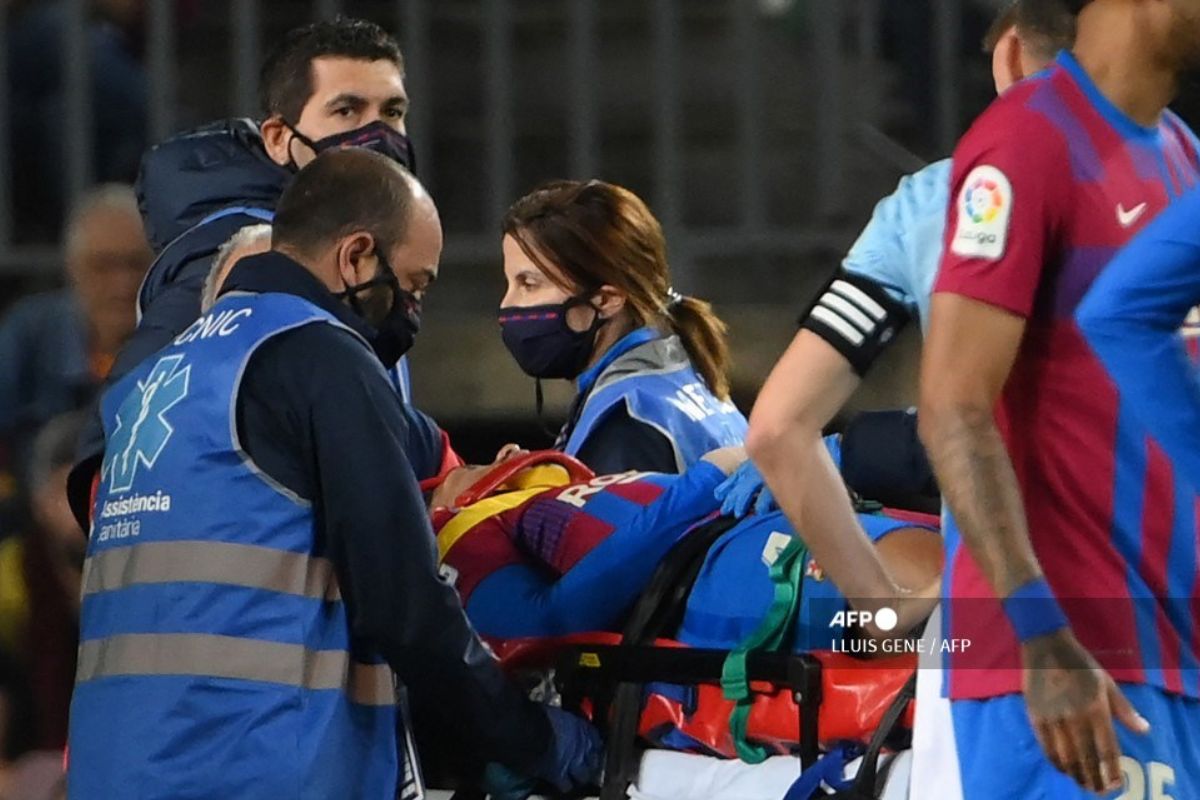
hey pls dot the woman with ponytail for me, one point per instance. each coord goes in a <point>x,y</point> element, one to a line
<point>590,299</point>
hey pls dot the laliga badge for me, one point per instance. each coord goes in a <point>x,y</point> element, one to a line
<point>984,208</point>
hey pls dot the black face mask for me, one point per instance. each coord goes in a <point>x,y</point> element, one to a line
<point>396,330</point>
<point>542,343</point>
<point>377,136</point>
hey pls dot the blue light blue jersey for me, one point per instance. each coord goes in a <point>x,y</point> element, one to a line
<point>901,247</point>
<point>1136,318</point>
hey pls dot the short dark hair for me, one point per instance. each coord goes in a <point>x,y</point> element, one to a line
<point>1000,25</point>
<point>285,82</point>
<point>1045,26</point>
<point>342,191</point>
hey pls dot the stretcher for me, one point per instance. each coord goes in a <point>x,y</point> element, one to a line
<point>808,720</point>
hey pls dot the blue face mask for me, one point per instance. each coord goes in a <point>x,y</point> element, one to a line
<point>542,343</point>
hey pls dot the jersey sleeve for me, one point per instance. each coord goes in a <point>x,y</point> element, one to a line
<point>896,246</point>
<point>1009,191</point>
<point>1132,316</point>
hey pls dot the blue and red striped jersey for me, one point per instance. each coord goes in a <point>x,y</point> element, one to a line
<point>1049,184</point>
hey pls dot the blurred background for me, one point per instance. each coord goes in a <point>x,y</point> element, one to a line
<point>761,132</point>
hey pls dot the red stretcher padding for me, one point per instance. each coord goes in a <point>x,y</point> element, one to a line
<point>855,696</point>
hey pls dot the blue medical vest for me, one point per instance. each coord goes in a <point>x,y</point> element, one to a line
<point>216,659</point>
<point>657,384</point>
<point>733,590</point>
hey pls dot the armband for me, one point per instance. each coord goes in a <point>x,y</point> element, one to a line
<point>857,317</point>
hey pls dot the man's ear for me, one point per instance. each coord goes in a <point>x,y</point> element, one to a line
<point>277,139</point>
<point>356,258</point>
<point>609,301</point>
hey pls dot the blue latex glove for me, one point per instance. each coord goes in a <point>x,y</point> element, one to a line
<point>745,490</point>
<point>501,783</point>
<point>576,754</point>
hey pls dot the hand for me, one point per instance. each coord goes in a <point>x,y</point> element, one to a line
<point>1072,703</point>
<point>745,490</point>
<point>576,754</point>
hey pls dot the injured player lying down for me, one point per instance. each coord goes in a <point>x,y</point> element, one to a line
<point>537,546</point>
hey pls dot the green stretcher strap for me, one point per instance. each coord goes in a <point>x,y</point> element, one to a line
<point>787,575</point>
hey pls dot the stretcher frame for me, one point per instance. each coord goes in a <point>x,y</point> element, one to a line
<point>614,677</point>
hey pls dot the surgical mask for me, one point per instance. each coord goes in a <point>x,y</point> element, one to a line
<point>377,136</point>
<point>542,343</point>
<point>396,331</point>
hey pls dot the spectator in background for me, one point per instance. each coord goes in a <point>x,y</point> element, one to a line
<point>57,347</point>
<point>40,573</point>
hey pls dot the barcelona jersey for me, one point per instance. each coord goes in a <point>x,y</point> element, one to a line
<point>1048,184</point>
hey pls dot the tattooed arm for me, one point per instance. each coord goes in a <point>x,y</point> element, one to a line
<point>969,354</point>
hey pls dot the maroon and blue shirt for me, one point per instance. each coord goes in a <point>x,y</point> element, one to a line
<point>1047,186</point>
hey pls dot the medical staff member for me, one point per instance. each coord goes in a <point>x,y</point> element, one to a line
<point>329,84</point>
<point>260,561</point>
<point>589,298</point>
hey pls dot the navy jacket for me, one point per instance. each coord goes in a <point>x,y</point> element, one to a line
<point>182,181</point>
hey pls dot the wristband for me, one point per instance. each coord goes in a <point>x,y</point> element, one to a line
<point>1033,610</point>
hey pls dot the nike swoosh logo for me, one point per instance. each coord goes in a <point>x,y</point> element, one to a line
<point>1127,218</point>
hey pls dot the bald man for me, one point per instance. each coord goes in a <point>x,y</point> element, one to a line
<point>261,560</point>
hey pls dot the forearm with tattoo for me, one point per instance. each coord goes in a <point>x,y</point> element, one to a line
<point>977,480</point>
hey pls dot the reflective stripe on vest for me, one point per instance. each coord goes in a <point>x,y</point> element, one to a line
<point>211,562</point>
<point>207,655</point>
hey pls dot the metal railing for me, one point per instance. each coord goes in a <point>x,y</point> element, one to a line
<point>836,104</point>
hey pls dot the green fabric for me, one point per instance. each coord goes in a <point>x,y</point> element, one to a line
<point>787,574</point>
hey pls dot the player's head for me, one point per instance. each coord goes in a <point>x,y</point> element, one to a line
<point>1026,36</point>
<point>334,84</point>
<point>458,480</point>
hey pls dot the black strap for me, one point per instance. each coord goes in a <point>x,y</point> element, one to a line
<point>866,783</point>
<point>657,611</point>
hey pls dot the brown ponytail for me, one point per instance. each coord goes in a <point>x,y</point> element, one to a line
<point>585,235</point>
<point>703,335</point>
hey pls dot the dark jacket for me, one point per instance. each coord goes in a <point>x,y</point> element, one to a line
<point>315,415</point>
<point>181,182</point>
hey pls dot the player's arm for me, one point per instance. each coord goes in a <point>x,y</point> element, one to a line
<point>1005,219</point>
<point>852,322</point>
<point>1131,318</point>
<point>809,385</point>
<point>968,355</point>
<point>553,598</point>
